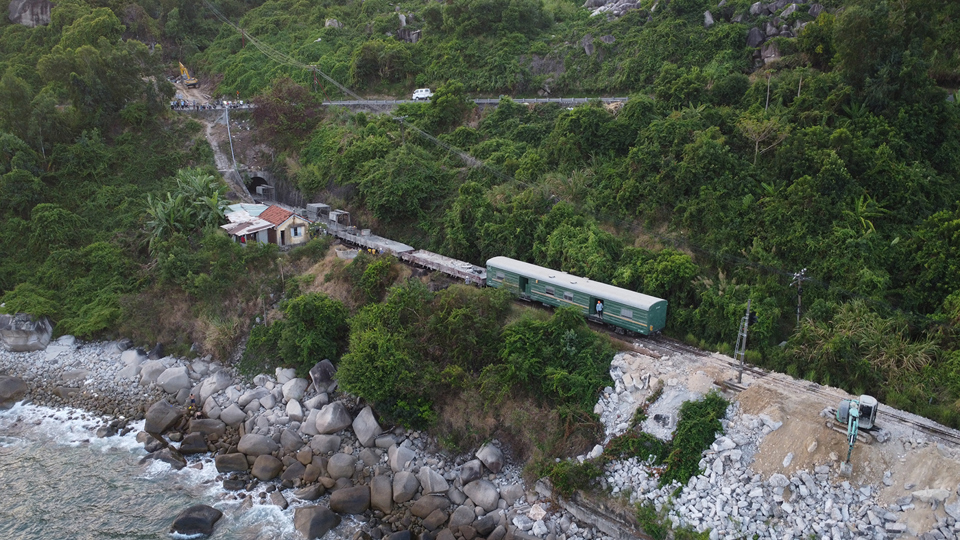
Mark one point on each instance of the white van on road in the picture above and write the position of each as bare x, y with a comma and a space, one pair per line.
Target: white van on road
422, 94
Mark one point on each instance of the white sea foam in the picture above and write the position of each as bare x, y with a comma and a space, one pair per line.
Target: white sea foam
179, 536
69, 427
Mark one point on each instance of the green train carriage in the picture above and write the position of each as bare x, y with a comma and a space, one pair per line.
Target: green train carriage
623, 308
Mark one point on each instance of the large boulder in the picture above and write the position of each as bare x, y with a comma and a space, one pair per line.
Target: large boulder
755, 37
294, 389
196, 520
132, 359
400, 457
366, 428
333, 418
470, 471
170, 456
325, 444
161, 417
313, 522
235, 462
511, 493
405, 486
322, 375
485, 525
253, 444
12, 390
266, 467
431, 481
427, 504
309, 425
463, 515
149, 371
250, 395
483, 493
193, 443
233, 415
435, 520
294, 472
206, 426
310, 493
491, 456
174, 379
285, 374
24, 333
294, 410
352, 500
213, 384
341, 466
381, 494
290, 441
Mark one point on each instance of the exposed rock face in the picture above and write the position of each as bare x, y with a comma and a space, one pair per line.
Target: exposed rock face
22, 332
30, 12
12, 390
755, 37
196, 520
588, 44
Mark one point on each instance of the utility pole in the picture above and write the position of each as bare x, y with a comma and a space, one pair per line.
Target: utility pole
741, 350
798, 280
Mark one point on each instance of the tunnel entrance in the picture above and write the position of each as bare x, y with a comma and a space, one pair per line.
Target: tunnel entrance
254, 182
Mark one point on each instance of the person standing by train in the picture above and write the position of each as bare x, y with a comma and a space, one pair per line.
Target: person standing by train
600, 309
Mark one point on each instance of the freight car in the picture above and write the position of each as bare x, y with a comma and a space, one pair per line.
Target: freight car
464, 271
624, 309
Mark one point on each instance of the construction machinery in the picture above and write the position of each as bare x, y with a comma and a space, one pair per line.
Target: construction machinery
856, 414
188, 81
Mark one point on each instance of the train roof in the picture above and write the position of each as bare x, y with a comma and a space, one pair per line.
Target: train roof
584, 285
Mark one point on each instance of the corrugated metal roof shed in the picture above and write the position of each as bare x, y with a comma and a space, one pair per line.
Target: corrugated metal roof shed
569, 281
253, 210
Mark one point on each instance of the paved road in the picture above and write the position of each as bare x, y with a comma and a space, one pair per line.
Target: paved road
395, 102
490, 101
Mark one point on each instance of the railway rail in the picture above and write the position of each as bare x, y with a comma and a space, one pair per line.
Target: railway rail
829, 396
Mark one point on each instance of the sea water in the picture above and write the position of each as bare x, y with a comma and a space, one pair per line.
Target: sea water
59, 481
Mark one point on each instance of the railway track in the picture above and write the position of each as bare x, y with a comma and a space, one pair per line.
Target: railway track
830, 397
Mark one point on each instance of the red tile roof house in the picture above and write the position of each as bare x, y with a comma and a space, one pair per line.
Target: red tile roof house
259, 223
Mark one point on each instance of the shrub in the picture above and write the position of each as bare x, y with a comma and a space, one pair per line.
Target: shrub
313, 329
697, 428
568, 475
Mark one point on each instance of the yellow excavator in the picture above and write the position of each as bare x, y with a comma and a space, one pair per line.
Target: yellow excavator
188, 81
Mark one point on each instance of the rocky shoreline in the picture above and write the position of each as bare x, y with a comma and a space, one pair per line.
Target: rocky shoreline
287, 441
292, 442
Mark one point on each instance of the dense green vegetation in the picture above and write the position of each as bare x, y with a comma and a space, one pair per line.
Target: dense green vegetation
718, 180
711, 186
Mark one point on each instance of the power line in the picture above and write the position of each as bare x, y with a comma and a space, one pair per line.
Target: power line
284, 59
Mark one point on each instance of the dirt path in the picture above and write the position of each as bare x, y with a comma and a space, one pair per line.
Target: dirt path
215, 131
